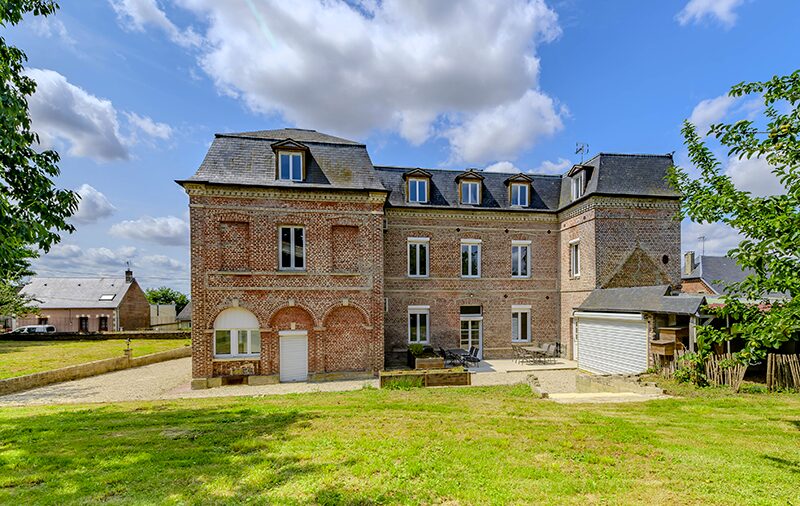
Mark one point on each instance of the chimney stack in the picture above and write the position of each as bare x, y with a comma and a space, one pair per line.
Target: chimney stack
128, 275
688, 262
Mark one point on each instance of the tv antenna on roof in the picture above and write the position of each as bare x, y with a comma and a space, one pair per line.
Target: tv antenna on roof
702, 240
581, 148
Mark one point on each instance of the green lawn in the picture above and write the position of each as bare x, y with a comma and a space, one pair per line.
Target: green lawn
26, 357
452, 445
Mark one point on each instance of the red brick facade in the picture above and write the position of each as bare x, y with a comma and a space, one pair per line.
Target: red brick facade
355, 298
338, 299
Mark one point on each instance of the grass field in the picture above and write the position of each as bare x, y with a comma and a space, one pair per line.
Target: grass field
25, 357
491, 445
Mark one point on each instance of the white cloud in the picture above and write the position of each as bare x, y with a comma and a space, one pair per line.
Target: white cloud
506, 167
710, 111
719, 238
721, 10
68, 117
150, 127
93, 206
63, 112
550, 167
754, 175
505, 130
51, 26
135, 15
418, 68
165, 230
163, 261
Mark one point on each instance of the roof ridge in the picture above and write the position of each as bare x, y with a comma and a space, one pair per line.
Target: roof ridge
444, 169
352, 144
638, 155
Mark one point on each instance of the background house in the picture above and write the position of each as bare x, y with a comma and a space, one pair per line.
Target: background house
709, 275
87, 304
184, 318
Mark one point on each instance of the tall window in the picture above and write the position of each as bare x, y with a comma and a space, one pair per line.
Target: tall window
575, 258
83, 324
102, 323
470, 258
470, 192
520, 259
578, 182
237, 342
521, 323
291, 166
519, 195
418, 258
418, 324
293, 248
418, 190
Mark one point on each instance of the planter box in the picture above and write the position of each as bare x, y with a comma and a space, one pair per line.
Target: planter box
429, 363
430, 377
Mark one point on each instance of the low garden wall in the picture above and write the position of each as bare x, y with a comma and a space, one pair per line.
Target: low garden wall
73, 372
100, 336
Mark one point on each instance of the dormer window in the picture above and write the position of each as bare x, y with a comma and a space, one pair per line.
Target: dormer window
578, 182
519, 194
290, 160
418, 190
290, 166
418, 186
471, 192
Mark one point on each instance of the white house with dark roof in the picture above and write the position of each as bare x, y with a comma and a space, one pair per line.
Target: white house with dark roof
87, 304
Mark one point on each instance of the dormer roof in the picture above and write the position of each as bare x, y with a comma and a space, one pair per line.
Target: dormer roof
470, 174
519, 178
289, 144
417, 173
577, 168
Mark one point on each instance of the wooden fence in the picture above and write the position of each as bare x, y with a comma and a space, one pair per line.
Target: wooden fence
718, 369
783, 372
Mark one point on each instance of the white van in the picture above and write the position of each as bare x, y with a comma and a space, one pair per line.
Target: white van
34, 329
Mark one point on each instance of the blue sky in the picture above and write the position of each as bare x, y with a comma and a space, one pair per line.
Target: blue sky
132, 91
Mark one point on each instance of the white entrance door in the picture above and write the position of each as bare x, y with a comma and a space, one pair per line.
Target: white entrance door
611, 343
472, 334
294, 355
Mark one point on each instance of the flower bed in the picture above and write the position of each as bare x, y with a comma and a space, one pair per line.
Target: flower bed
425, 378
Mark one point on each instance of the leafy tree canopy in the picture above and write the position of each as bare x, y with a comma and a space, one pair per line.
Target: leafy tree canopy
32, 210
770, 225
167, 295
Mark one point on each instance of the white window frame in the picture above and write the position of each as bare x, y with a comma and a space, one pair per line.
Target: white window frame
416, 181
235, 343
418, 241
291, 246
578, 185
527, 246
426, 310
470, 243
520, 186
477, 185
515, 309
291, 155
575, 258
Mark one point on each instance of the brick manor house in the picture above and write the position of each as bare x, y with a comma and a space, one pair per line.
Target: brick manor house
308, 261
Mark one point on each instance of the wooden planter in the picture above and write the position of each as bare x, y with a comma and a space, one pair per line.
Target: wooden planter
429, 363
430, 377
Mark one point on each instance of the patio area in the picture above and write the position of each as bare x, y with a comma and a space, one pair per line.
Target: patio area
507, 365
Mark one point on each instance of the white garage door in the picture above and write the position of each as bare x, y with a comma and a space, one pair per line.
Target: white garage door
294, 355
610, 343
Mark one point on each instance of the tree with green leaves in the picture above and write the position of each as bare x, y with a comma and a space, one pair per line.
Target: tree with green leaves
167, 295
32, 210
769, 225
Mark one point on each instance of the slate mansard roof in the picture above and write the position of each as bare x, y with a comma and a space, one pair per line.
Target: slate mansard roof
76, 293
248, 158
650, 299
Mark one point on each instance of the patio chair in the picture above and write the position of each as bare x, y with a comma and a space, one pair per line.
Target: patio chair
472, 358
450, 357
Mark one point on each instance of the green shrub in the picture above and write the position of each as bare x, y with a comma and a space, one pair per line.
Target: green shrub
416, 349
